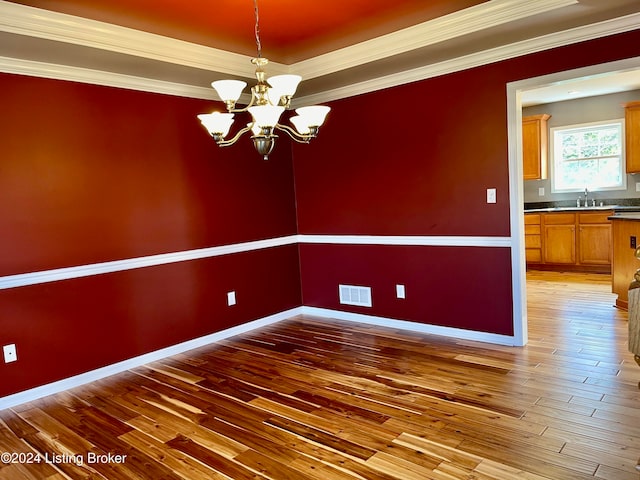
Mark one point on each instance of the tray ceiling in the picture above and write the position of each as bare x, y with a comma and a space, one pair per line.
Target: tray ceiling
290, 30
340, 47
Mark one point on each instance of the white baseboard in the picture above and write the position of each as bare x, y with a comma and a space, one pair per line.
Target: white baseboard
413, 326
93, 375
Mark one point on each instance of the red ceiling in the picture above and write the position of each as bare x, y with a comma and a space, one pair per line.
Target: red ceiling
290, 30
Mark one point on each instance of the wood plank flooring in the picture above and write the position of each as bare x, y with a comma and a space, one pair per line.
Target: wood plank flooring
313, 398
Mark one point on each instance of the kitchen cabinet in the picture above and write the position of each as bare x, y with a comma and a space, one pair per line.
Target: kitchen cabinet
632, 136
569, 240
533, 238
594, 242
535, 146
560, 238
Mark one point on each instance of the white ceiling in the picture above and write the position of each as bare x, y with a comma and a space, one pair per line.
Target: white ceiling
591, 86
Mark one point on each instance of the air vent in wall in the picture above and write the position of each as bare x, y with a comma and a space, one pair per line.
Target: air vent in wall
354, 295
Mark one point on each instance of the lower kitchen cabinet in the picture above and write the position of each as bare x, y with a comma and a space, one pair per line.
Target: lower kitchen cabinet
560, 244
533, 238
579, 241
595, 244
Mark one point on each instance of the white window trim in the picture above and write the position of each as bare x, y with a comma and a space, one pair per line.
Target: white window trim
552, 159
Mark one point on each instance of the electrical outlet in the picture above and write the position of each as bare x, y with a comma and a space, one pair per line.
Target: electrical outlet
400, 292
491, 195
541, 191
231, 298
637, 186
10, 354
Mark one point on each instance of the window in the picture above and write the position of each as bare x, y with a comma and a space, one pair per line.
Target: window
588, 156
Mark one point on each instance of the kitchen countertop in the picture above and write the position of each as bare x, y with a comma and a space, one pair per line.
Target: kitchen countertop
625, 216
615, 208
620, 212
577, 209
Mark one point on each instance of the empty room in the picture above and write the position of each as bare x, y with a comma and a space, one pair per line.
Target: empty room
348, 240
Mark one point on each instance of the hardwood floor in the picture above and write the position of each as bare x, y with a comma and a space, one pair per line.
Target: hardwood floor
322, 399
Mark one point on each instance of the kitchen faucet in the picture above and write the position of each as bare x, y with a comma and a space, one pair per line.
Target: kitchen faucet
586, 197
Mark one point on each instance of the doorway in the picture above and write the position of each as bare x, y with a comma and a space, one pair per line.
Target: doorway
515, 94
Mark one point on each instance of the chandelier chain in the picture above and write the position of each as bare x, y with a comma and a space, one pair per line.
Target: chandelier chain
257, 28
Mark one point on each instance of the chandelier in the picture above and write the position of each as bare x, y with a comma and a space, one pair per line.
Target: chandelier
270, 97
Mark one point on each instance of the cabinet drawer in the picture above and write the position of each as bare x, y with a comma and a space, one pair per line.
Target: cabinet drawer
533, 241
593, 217
532, 219
533, 255
532, 229
559, 218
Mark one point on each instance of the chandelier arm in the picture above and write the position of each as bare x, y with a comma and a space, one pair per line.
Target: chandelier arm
244, 109
293, 134
228, 143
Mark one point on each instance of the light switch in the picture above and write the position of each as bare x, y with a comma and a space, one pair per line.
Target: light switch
400, 293
541, 191
231, 298
491, 195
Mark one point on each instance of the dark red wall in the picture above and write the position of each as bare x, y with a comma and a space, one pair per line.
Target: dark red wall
91, 174
464, 299
65, 328
411, 160
417, 160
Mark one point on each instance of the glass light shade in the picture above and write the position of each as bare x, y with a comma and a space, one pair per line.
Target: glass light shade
285, 84
229, 90
301, 124
216, 122
314, 115
266, 115
274, 96
255, 129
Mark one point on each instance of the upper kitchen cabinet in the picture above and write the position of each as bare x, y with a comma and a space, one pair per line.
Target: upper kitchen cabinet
535, 146
632, 136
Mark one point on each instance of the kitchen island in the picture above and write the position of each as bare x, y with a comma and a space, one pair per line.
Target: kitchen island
625, 234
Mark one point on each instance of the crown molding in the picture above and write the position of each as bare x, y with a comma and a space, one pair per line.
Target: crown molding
39, 23
506, 52
45, 24
464, 22
48, 25
107, 79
